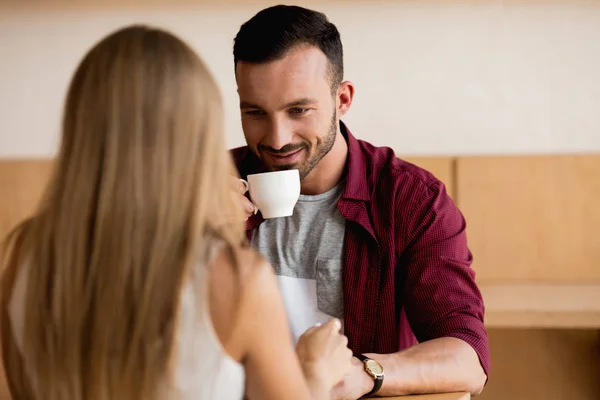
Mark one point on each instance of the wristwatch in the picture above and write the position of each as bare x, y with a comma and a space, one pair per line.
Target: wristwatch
374, 369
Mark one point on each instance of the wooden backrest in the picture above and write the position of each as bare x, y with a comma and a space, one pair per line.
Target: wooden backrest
442, 167
532, 218
21, 185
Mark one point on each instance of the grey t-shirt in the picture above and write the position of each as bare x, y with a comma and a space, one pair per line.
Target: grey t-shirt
305, 250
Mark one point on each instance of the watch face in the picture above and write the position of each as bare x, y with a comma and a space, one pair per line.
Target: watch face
374, 367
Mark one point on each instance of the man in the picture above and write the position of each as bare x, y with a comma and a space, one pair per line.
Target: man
374, 240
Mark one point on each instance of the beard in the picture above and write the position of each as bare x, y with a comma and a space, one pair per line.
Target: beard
315, 154
321, 149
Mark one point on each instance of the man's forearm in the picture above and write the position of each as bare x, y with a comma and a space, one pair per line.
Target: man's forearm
439, 365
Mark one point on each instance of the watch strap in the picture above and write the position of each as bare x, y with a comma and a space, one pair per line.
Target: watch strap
378, 380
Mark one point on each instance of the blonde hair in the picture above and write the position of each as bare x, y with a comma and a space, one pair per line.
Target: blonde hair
139, 186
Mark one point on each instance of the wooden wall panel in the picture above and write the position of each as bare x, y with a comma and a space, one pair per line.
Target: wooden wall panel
21, 185
532, 218
442, 167
544, 364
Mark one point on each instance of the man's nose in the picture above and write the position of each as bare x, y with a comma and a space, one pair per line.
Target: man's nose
279, 134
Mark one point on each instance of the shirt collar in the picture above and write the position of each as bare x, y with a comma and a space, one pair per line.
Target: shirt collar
356, 169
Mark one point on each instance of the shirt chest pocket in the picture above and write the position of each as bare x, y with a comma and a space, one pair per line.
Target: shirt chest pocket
330, 296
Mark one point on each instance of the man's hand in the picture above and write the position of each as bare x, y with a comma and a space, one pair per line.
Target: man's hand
356, 383
240, 190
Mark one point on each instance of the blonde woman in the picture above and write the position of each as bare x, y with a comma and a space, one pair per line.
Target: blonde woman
130, 281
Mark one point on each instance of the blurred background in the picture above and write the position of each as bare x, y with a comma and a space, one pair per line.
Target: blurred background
500, 99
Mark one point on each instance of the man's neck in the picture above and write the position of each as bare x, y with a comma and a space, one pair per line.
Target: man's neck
329, 171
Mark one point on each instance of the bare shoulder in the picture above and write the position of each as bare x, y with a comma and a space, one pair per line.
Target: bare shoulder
237, 277
248, 263
258, 334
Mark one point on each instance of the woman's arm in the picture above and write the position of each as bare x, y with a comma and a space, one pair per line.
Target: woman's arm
261, 339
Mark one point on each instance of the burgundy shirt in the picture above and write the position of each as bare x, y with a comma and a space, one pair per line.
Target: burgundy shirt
407, 273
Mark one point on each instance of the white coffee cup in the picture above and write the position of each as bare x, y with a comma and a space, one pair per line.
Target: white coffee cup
274, 193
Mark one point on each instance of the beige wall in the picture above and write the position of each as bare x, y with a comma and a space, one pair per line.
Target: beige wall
432, 77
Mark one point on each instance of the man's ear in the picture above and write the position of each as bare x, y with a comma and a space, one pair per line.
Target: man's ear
345, 94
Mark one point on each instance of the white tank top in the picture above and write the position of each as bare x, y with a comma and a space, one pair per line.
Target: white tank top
204, 371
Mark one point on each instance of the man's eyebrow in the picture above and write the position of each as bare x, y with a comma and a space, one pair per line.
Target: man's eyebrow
245, 104
299, 102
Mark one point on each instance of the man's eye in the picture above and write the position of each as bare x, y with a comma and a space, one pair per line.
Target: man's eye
298, 110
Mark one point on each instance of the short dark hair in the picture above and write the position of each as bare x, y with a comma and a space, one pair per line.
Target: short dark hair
274, 31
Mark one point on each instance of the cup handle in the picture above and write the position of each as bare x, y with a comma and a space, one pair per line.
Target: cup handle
247, 186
